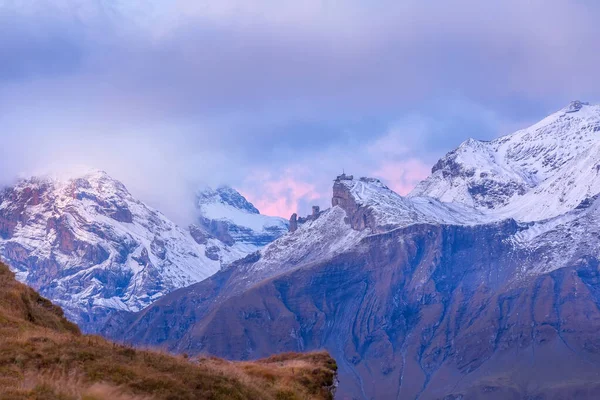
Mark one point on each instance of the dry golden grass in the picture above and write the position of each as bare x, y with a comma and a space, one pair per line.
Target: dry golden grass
43, 356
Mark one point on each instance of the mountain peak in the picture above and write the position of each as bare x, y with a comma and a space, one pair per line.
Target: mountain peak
349, 180
60, 235
97, 175
99, 181
532, 174
225, 195
91, 178
227, 215
575, 106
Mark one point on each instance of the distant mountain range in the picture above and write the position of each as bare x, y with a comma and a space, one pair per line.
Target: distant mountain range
484, 282
90, 246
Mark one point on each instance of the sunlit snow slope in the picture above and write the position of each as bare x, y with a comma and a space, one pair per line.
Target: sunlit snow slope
533, 174
90, 246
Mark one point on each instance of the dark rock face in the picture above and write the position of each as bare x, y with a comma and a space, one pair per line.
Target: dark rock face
212, 252
218, 229
485, 191
420, 312
450, 167
16, 252
143, 259
575, 106
490, 193
294, 222
158, 248
113, 208
11, 216
199, 235
359, 217
65, 238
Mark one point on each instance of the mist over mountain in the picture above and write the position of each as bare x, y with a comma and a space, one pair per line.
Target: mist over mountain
274, 100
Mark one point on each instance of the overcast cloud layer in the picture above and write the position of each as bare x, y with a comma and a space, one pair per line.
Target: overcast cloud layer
274, 97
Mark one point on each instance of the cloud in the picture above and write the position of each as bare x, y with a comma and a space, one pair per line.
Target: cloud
401, 153
403, 176
169, 96
280, 194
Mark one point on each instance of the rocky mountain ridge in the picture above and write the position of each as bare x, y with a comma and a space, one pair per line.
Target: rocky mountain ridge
417, 297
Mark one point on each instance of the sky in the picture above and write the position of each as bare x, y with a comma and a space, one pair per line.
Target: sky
276, 98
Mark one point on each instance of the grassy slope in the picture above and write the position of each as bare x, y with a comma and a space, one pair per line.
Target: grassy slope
43, 356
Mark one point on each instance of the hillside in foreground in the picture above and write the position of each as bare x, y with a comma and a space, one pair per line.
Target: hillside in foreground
44, 356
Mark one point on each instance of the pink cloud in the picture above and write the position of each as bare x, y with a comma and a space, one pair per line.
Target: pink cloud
279, 195
402, 176
287, 193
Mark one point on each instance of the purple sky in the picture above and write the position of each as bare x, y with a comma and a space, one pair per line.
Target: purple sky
274, 97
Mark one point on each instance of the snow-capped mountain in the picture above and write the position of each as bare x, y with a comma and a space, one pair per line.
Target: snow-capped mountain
227, 216
372, 204
90, 246
533, 174
483, 283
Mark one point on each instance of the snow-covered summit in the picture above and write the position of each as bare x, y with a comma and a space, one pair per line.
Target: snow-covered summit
90, 246
230, 217
227, 196
575, 106
533, 174
371, 204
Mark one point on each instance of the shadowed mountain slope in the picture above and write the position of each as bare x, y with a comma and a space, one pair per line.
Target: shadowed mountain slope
43, 356
421, 312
